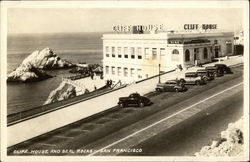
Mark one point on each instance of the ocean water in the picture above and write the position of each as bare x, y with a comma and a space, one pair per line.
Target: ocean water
79, 47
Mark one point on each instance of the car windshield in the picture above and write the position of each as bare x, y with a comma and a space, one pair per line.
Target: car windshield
171, 83
191, 75
134, 95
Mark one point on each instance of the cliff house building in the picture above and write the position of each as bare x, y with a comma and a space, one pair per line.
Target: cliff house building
136, 56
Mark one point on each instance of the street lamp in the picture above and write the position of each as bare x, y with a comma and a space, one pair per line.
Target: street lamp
159, 73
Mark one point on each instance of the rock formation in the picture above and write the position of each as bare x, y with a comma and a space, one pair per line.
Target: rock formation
230, 143
30, 69
46, 59
27, 73
64, 91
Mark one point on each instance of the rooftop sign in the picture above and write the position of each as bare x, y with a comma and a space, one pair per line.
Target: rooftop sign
138, 28
199, 26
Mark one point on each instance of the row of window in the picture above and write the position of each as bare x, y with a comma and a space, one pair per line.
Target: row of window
119, 71
134, 51
175, 53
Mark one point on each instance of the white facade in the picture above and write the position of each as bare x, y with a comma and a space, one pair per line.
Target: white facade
132, 57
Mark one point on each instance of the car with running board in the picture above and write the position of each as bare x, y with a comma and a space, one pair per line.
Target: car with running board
192, 78
224, 68
134, 99
171, 86
205, 74
215, 71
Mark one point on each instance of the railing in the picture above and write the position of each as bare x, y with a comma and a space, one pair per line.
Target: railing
39, 110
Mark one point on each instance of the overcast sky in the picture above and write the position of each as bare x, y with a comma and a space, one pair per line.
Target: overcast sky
51, 20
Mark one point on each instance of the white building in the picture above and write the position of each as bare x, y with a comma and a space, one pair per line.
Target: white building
132, 57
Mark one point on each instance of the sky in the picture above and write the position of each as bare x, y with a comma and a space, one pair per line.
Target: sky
57, 20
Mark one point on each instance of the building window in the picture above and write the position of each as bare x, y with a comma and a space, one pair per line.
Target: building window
113, 70
119, 71
146, 53
154, 53
162, 51
215, 41
107, 69
132, 70
125, 72
187, 55
229, 47
107, 51
175, 55
139, 53
175, 52
205, 53
113, 51
125, 52
119, 51
211, 49
132, 52
139, 73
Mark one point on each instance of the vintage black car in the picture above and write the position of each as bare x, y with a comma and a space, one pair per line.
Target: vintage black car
171, 86
205, 74
215, 71
134, 99
224, 68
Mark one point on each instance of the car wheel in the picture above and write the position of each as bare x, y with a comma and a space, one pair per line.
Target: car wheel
121, 105
197, 83
141, 104
205, 79
182, 82
176, 90
158, 89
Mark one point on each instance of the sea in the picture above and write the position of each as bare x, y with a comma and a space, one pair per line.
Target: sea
74, 47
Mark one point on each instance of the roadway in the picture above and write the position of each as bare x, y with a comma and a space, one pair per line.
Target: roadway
92, 134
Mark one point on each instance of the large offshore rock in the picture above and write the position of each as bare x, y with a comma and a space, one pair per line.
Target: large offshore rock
31, 67
64, 91
27, 73
46, 59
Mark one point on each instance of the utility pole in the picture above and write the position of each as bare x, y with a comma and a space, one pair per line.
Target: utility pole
159, 73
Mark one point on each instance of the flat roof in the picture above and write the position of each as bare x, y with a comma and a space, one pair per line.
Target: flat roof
168, 35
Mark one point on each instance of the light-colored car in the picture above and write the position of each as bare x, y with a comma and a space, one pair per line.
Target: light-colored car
205, 74
171, 86
193, 79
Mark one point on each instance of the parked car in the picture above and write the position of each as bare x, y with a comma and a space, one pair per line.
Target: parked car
224, 68
192, 78
134, 99
215, 71
171, 86
205, 74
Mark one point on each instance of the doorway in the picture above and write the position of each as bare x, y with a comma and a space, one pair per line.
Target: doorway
216, 53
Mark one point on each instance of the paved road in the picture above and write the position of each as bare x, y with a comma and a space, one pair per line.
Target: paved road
96, 132
193, 135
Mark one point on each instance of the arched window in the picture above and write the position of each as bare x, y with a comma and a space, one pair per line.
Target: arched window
205, 53
175, 52
187, 55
